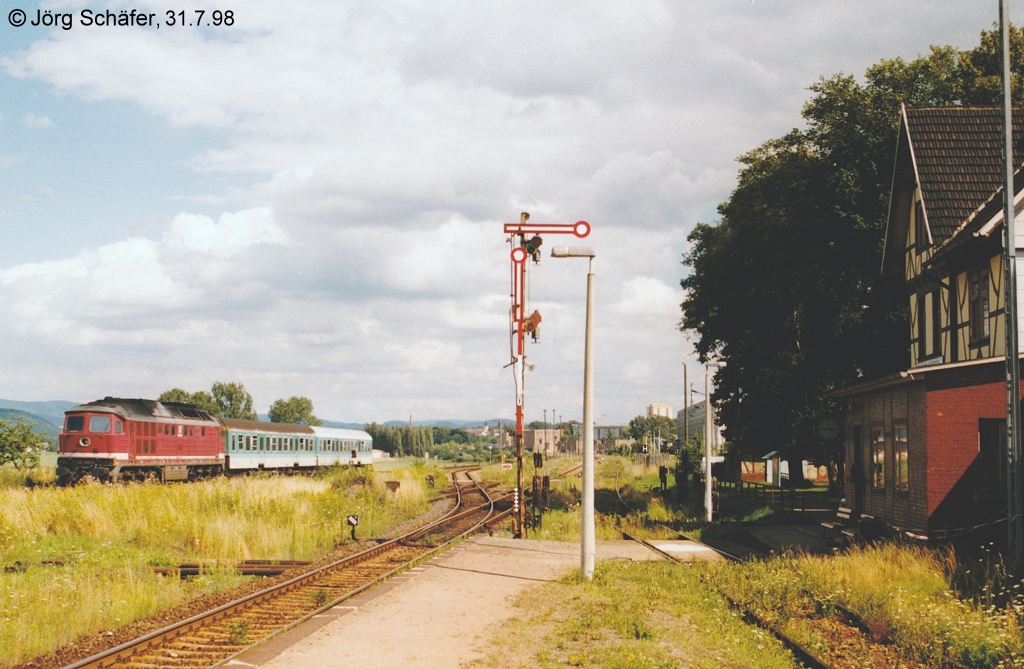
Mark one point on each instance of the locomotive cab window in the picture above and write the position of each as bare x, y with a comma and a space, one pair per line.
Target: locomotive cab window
99, 423
75, 423
118, 427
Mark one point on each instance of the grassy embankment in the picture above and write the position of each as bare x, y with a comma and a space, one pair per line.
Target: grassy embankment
935, 609
922, 601
653, 615
79, 560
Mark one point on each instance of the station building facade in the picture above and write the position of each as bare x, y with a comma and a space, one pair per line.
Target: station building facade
925, 447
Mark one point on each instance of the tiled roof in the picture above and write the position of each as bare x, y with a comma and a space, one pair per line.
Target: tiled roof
958, 152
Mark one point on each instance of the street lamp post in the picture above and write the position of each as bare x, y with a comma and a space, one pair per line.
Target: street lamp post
587, 529
708, 428
709, 431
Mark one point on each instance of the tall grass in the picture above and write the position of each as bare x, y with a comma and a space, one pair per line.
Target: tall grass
632, 615
45, 606
903, 594
92, 547
10, 477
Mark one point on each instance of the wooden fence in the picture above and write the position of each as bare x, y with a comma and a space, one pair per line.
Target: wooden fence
780, 499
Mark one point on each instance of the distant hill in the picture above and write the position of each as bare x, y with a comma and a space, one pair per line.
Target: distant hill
347, 426
51, 411
466, 424
43, 426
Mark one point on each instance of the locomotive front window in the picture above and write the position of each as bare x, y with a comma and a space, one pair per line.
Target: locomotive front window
99, 423
75, 423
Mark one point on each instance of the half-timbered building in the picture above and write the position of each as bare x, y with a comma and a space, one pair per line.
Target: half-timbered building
924, 447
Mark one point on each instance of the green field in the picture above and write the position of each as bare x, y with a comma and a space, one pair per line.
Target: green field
93, 547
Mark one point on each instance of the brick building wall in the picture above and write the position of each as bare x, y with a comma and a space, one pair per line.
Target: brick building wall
957, 401
943, 410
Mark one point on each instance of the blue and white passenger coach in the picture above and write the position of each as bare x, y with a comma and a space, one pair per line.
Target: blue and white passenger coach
253, 445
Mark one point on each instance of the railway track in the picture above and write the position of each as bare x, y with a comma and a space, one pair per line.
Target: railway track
803, 655
214, 637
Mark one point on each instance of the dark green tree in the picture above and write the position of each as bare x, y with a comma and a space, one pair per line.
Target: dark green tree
226, 400
785, 287
644, 429
233, 400
296, 410
401, 440
201, 399
19, 443
444, 434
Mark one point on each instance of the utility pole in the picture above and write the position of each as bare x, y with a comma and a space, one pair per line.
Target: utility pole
587, 528
708, 498
1015, 467
686, 413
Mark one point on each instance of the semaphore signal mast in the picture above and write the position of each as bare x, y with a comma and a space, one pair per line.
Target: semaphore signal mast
525, 239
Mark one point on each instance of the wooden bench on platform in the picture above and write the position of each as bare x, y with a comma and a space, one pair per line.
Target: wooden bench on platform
868, 528
839, 528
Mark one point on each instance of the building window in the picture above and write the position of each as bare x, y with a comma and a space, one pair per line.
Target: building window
929, 325
900, 455
978, 291
878, 457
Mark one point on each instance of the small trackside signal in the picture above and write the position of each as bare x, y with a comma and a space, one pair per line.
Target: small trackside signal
531, 325
532, 246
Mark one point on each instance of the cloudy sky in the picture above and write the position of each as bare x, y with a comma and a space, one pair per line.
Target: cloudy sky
310, 200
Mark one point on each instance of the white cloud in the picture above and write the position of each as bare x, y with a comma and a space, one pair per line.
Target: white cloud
349, 166
644, 295
113, 289
37, 122
228, 236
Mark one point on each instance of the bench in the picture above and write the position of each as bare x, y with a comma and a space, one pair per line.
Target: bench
841, 525
870, 528
866, 528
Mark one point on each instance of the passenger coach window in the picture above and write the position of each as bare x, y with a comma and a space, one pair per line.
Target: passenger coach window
75, 423
99, 423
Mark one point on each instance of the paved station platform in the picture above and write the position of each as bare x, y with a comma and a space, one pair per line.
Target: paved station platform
438, 615
685, 550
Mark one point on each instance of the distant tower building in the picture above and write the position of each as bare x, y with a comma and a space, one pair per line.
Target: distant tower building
542, 441
659, 410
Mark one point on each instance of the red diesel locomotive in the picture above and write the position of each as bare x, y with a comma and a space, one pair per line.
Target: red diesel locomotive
117, 439
138, 440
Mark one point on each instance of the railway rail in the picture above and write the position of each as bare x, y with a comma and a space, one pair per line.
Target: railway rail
803, 655
847, 624
214, 637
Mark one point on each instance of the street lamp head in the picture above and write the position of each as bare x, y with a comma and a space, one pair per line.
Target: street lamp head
572, 252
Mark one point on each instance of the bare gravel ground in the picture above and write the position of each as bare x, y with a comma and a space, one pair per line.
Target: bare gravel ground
438, 615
